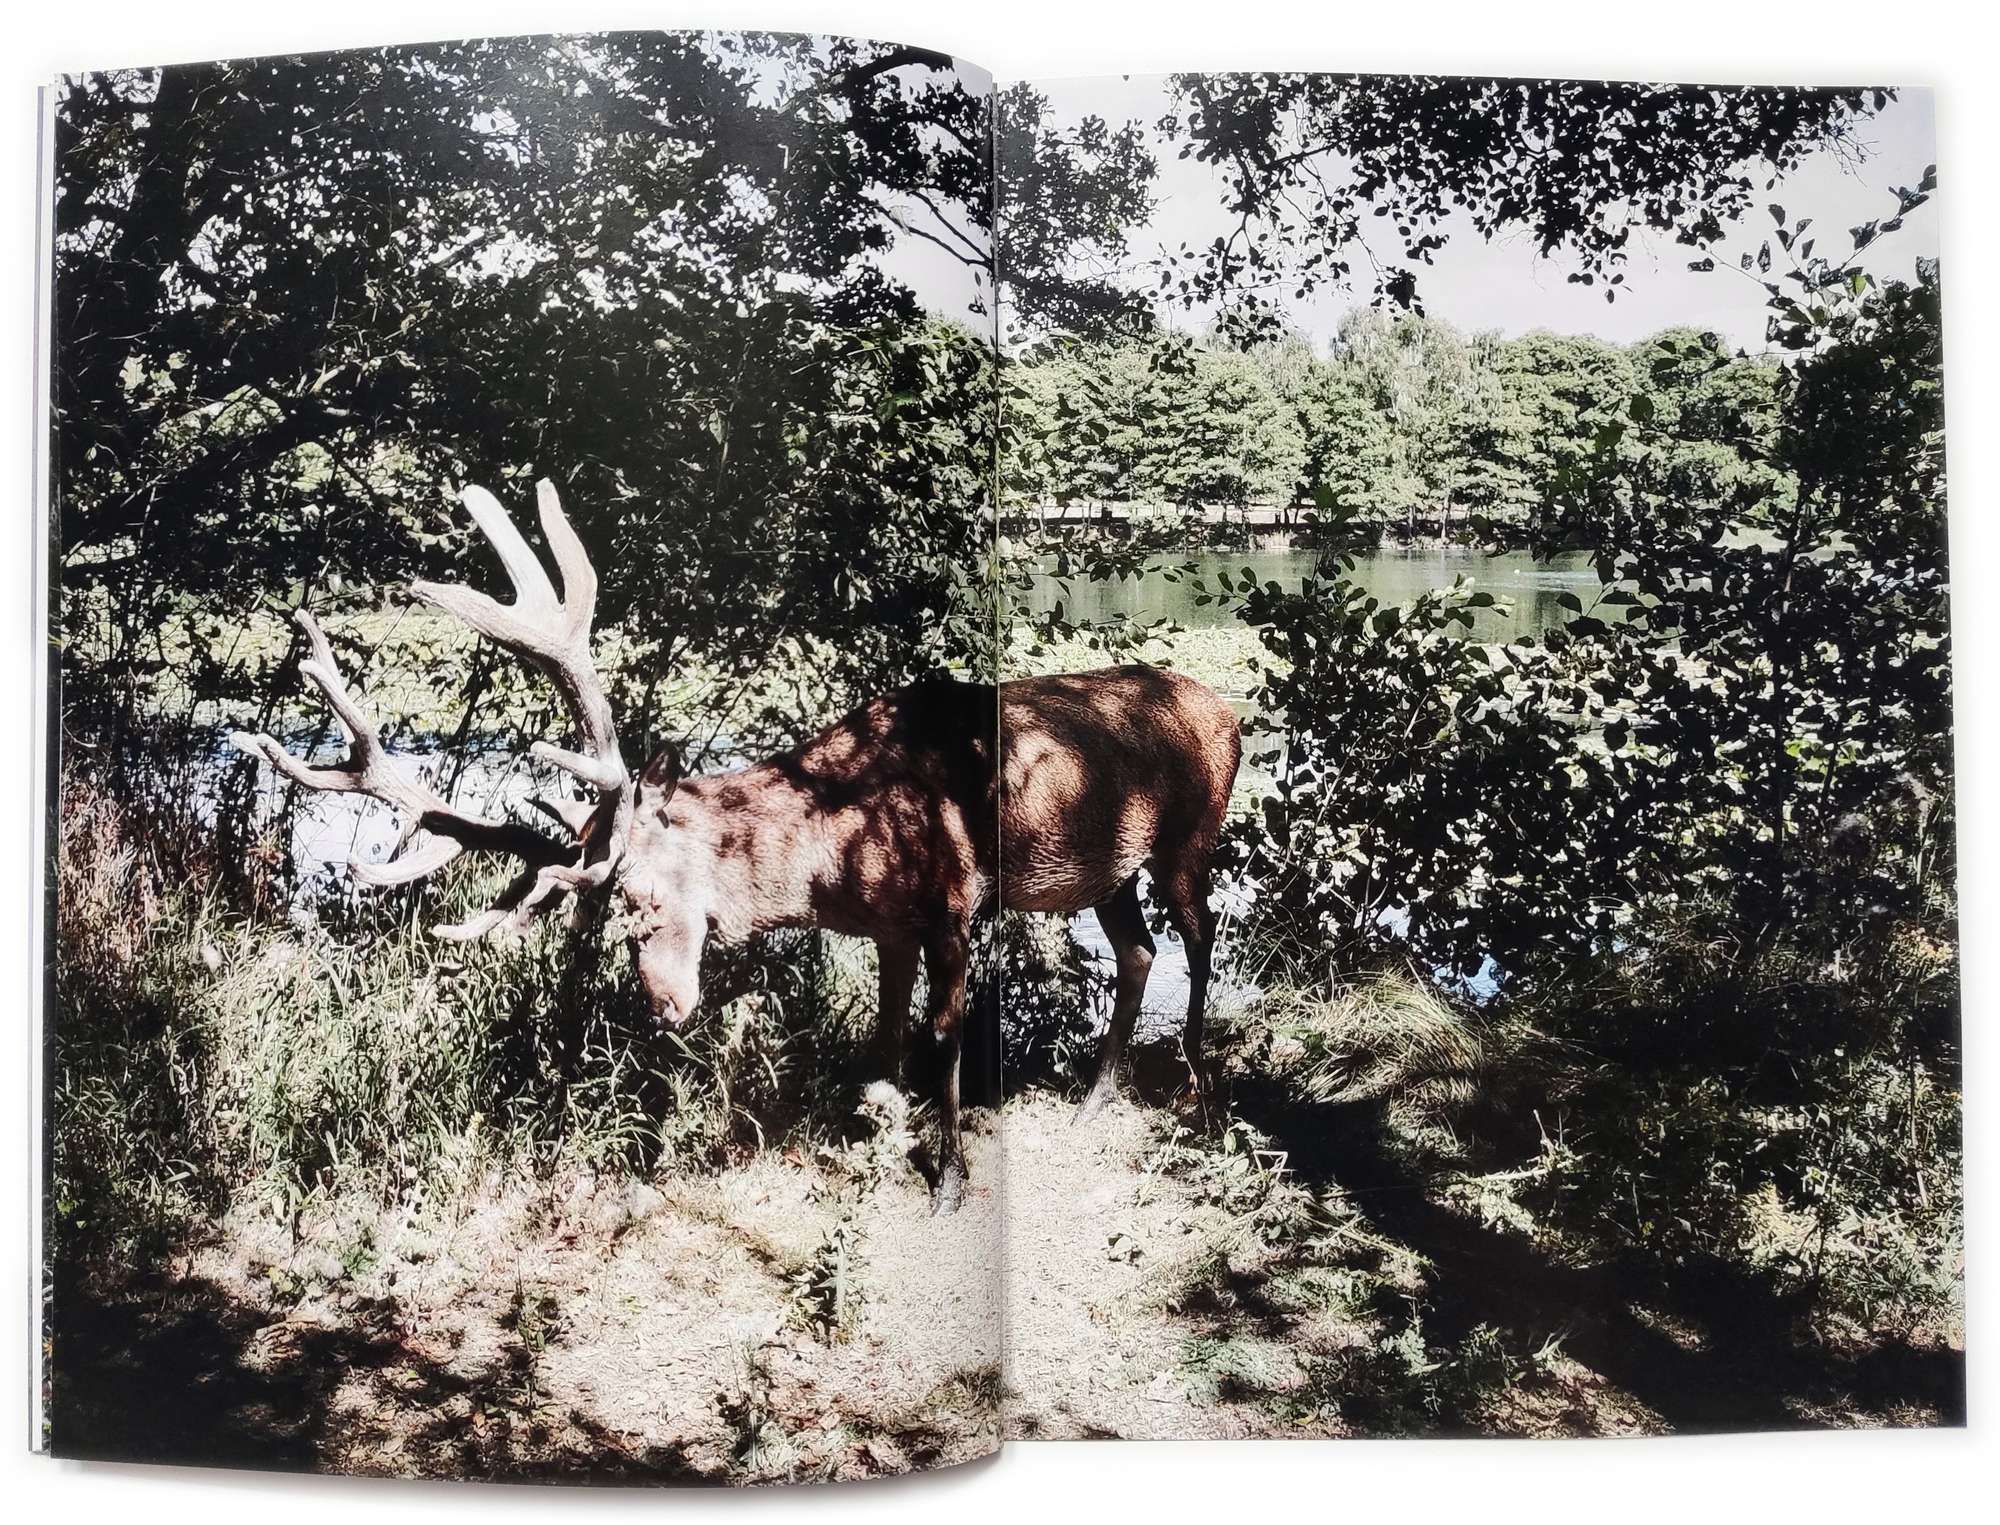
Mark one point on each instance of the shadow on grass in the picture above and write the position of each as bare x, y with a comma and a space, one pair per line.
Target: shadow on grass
1706, 1346
183, 1372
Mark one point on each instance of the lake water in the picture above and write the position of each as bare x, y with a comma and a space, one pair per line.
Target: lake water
1393, 574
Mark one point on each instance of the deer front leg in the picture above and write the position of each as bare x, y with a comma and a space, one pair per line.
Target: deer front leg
945, 959
896, 977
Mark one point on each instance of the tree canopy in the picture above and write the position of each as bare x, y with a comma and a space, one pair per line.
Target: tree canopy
1404, 418
1314, 162
298, 299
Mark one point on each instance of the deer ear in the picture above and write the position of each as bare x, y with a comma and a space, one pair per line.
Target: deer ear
663, 773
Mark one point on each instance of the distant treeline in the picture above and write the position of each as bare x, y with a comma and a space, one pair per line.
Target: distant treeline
1403, 422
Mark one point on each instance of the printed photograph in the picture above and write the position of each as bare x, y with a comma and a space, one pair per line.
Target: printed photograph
770, 763
1559, 1036
524, 534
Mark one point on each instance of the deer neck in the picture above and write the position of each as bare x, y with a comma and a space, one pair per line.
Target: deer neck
748, 847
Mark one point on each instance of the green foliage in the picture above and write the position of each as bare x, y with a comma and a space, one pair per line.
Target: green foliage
759, 1442
1053, 1006
1697, 840
1403, 422
827, 1290
203, 1056
1072, 193
1348, 444
1430, 796
1326, 173
302, 300
1402, 1383
129, 1161
1384, 1038
1240, 1171
1162, 421
1833, 1174
1220, 434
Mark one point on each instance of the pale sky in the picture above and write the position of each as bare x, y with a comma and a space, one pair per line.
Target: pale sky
1506, 286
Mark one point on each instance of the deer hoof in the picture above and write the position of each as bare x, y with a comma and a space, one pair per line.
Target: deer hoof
949, 1191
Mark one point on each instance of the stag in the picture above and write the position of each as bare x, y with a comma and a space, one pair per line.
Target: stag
893, 824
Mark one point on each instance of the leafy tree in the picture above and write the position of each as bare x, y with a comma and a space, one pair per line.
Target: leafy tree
1430, 801
1072, 194
1220, 434
1349, 447
298, 300
1563, 393
1405, 417
1080, 423
1780, 666
1434, 389
1702, 850
1708, 423
1312, 161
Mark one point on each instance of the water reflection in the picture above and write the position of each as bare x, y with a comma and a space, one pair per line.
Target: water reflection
1393, 574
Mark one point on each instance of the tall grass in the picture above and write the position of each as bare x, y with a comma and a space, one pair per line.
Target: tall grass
1386, 1037
1675, 1107
207, 1053
1791, 1115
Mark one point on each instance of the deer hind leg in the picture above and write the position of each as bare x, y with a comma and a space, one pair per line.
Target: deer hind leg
946, 957
896, 978
1124, 924
1185, 889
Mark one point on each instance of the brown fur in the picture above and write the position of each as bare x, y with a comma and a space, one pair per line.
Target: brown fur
893, 825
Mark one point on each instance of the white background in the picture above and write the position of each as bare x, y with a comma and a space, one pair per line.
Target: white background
1755, 1477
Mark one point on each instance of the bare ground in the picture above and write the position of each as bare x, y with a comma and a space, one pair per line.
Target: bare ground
728, 1328
1146, 1305
625, 1330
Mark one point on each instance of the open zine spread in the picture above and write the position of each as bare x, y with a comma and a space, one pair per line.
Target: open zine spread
766, 762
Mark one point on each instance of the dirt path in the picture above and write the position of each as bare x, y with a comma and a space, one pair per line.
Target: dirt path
654, 1329
1090, 1352
795, 1317
624, 1328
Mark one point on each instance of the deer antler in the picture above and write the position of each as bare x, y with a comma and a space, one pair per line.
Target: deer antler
554, 635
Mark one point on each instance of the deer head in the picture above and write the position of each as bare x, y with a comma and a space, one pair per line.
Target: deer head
552, 634
670, 895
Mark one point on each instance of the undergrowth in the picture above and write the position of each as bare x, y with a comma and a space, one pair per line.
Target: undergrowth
1685, 1119
206, 1054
